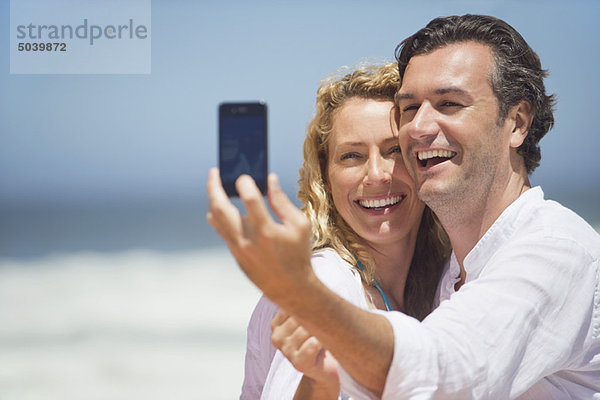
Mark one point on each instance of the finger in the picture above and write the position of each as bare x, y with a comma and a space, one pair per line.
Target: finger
279, 318
252, 198
309, 353
305, 356
289, 336
214, 187
311, 347
292, 344
222, 215
282, 332
281, 205
300, 336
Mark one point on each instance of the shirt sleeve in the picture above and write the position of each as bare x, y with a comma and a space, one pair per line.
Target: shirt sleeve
283, 379
529, 314
259, 350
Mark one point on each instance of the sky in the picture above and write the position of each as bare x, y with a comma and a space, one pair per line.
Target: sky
127, 138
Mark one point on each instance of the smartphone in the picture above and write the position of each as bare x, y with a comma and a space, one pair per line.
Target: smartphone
243, 144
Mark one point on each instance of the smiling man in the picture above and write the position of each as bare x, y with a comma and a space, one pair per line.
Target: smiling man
519, 313
461, 150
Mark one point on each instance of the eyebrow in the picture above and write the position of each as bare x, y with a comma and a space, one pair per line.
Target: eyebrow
355, 144
452, 89
441, 91
403, 96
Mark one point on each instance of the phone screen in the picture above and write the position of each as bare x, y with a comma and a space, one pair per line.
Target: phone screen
243, 144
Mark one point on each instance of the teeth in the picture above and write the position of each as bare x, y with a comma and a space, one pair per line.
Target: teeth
426, 155
390, 201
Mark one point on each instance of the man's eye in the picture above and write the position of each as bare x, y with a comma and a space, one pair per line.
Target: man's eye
451, 104
449, 107
411, 107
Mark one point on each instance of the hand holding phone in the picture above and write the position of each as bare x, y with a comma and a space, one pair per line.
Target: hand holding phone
243, 144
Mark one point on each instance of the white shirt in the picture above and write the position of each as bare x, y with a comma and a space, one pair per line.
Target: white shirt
268, 374
526, 323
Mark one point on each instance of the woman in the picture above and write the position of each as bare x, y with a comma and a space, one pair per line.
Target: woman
375, 243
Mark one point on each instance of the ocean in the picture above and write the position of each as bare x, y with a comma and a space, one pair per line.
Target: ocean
135, 324
120, 302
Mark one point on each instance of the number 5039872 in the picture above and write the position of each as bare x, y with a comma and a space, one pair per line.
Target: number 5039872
42, 46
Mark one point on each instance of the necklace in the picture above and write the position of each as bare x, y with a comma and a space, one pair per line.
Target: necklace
388, 305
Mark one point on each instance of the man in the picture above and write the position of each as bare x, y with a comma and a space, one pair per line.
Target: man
520, 302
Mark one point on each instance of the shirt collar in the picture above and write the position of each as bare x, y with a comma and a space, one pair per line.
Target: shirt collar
502, 229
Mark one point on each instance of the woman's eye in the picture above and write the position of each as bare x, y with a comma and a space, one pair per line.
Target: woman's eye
412, 107
347, 156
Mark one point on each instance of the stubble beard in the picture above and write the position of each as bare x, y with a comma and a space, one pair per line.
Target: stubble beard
461, 197
444, 199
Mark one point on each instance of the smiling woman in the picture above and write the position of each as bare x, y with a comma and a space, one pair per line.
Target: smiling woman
369, 185
369, 91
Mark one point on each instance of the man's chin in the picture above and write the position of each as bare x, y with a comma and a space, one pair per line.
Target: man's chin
431, 192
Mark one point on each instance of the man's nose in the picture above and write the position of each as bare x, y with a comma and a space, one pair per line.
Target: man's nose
424, 122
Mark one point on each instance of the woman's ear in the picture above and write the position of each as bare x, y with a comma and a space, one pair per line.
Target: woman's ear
522, 117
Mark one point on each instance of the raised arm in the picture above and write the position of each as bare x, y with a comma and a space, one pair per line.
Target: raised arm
276, 257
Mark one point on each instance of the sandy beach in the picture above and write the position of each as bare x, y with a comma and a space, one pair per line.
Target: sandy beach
131, 325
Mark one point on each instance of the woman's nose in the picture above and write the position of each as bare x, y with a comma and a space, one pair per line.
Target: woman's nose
379, 170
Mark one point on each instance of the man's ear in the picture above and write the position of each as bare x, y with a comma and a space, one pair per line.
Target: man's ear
521, 116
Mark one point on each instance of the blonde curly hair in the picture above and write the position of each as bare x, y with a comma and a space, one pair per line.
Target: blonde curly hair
328, 228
